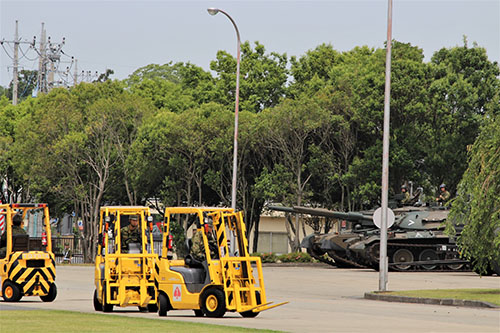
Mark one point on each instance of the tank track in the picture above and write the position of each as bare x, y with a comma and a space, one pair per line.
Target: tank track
321, 258
345, 261
331, 258
334, 260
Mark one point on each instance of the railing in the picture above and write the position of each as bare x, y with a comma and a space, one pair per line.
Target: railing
76, 247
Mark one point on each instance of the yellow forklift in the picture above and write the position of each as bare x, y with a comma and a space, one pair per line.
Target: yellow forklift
223, 282
125, 259
27, 266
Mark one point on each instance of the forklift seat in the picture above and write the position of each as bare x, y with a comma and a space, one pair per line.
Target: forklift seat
189, 259
20, 243
134, 248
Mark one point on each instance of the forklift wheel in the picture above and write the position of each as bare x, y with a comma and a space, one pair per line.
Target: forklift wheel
198, 313
11, 292
162, 305
213, 303
251, 314
105, 306
97, 304
51, 295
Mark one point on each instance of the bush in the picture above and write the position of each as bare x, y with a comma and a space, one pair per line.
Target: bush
295, 257
269, 257
266, 257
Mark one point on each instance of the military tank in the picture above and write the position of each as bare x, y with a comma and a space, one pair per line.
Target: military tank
416, 241
332, 248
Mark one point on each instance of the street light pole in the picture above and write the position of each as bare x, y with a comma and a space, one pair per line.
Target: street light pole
385, 156
214, 11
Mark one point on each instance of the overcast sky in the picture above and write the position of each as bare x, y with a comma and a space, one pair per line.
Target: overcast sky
125, 35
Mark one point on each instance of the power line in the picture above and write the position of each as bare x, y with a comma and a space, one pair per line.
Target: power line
49, 56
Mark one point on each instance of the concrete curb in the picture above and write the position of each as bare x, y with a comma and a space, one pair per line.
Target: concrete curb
435, 301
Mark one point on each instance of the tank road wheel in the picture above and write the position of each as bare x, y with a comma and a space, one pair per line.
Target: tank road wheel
97, 304
163, 305
251, 314
51, 296
402, 256
454, 267
11, 292
427, 255
213, 303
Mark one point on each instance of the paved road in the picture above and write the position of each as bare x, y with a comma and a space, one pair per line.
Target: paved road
322, 299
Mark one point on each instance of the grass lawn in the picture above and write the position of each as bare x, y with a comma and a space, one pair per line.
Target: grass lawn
486, 295
66, 321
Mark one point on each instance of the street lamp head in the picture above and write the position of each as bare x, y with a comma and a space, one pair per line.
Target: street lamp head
212, 11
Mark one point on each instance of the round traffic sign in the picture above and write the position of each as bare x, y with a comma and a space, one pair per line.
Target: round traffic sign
377, 217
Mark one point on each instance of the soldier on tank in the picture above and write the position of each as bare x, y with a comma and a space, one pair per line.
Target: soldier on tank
130, 234
406, 198
16, 230
444, 195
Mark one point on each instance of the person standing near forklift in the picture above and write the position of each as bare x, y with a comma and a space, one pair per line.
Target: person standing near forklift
16, 230
130, 234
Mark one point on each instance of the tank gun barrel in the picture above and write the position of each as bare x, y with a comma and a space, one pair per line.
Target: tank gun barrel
349, 216
282, 209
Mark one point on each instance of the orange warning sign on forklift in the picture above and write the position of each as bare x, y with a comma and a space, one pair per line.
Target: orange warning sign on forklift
177, 293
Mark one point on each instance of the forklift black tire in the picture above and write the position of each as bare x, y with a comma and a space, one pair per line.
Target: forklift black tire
97, 304
152, 308
51, 296
213, 303
105, 306
251, 314
162, 305
198, 313
143, 308
11, 292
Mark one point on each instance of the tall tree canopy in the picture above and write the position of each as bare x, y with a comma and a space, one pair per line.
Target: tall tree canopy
478, 202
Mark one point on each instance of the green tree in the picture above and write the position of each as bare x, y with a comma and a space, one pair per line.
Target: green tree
176, 86
67, 146
175, 150
311, 72
263, 78
463, 86
477, 205
8, 176
350, 85
290, 130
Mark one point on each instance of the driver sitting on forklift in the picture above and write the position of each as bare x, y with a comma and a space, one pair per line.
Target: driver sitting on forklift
198, 249
130, 234
16, 230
